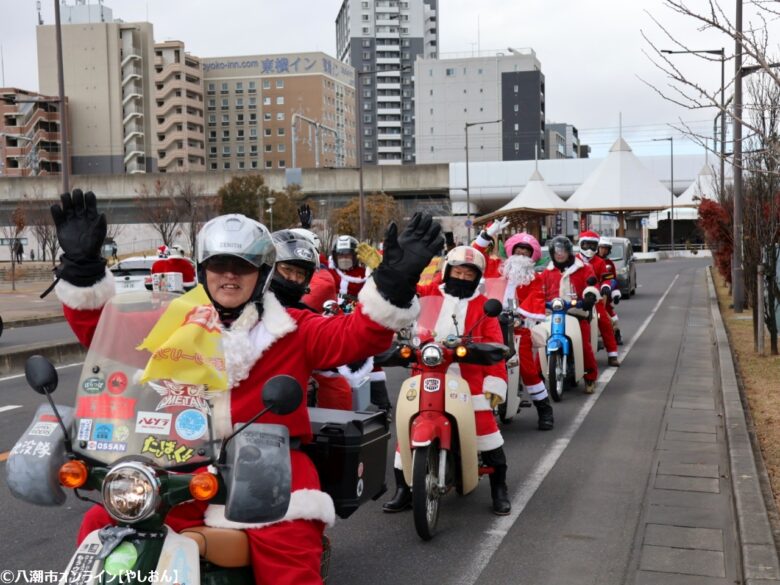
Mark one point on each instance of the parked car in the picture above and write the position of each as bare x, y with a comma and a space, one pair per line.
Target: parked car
133, 274
623, 256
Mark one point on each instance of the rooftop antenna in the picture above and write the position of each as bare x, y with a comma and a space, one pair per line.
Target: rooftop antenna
40, 18
536, 156
620, 123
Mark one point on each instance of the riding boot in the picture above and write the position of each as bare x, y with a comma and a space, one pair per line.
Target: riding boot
402, 500
618, 337
379, 396
545, 411
498, 490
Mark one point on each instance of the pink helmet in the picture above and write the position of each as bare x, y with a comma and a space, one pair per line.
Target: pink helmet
526, 239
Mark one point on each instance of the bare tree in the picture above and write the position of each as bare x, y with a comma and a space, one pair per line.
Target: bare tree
12, 231
158, 206
41, 224
195, 208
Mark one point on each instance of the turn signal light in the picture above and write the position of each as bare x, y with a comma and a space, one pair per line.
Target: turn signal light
406, 352
204, 486
461, 351
73, 474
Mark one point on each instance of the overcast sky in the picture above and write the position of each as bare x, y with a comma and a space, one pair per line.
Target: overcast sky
591, 50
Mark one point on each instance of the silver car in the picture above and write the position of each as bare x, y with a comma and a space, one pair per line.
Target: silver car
133, 274
623, 256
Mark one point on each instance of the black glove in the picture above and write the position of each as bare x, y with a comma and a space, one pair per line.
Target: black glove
304, 214
81, 232
606, 290
615, 300
405, 258
589, 301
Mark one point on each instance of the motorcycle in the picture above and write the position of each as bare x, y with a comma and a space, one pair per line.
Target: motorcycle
435, 425
562, 358
146, 447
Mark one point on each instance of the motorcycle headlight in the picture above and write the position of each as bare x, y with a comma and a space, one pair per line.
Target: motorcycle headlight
432, 355
131, 492
557, 305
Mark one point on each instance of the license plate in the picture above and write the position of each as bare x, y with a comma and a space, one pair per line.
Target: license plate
432, 385
127, 285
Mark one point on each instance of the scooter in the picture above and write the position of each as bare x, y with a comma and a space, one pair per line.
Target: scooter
144, 448
562, 358
435, 425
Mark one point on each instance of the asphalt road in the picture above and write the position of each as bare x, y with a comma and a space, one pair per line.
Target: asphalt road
580, 510
35, 334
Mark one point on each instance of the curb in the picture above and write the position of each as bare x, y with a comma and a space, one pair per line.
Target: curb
58, 352
760, 563
32, 321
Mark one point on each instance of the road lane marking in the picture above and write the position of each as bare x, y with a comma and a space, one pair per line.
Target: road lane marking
9, 407
500, 527
16, 376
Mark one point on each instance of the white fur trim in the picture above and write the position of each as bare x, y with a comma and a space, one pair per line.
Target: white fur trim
591, 289
616, 294
612, 354
534, 316
86, 297
489, 442
480, 402
537, 391
382, 311
495, 385
356, 377
304, 505
378, 376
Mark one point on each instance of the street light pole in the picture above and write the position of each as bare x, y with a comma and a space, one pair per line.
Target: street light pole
737, 284
271, 201
468, 185
63, 112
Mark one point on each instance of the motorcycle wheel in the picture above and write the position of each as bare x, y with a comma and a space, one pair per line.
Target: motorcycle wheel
555, 376
425, 490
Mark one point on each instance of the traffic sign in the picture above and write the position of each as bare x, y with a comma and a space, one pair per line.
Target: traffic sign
469, 223
644, 222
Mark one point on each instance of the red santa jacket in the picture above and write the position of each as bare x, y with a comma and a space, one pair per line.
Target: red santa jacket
530, 299
598, 265
357, 276
492, 264
468, 312
321, 288
571, 284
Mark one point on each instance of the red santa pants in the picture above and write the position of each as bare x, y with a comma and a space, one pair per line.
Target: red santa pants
589, 359
606, 330
529, 366
286, 553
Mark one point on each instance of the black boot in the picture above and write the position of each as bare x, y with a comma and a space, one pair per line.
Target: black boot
618, 337
402, 500
498, 490
545, 411
379, 397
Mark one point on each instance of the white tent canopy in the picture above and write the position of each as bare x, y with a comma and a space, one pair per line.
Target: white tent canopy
536, 197
704, 187
620, 183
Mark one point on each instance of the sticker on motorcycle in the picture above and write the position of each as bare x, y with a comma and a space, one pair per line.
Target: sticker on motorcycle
81, 567
117, 382
153, 423
359, 488
42, 429
186, 395
106, 446
160, 448
432, 385
121, 433
85, 429
103, 432
93, 385
121, 560
105, 406
38, 449
191, 424
411, 394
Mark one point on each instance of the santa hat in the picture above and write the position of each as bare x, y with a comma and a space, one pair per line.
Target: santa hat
532, 306
589, 236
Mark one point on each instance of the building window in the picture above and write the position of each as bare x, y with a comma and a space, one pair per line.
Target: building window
226, 166
240, 150
517, 146
253, 149
267, 117
280, 116
269, 164
269, 148
365, 17
266, 132
366, 81
367, 93
225, 151
212, 119
517, 127
212, 104
226, 135
517, 107
252, 103
239, 118
224, 87
253, 164
212, 87
253, 134
225, 118
252, 86
366, 43
212, 151
367, 144
239, 87
405, 43
213, 166
364, 5
368, 131
449, 72
240, 134
431, 111
280, 131
366, 55
225, 103
266, 84
212, 134
366, 30
267, 100
281, 147
240, 165
280, 84
280, 100
239, 103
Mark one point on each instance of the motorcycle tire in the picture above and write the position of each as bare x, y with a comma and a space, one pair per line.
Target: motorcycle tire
425, 490
555, 381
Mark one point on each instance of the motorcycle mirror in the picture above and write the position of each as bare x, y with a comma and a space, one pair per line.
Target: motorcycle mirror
282, 394
492, 308
40, 374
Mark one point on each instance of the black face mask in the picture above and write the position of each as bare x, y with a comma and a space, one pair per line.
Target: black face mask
564, 265
288, 292
462, 289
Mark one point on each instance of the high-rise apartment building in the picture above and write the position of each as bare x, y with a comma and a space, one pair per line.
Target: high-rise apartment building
503, 90
179, 109
30, 134
109, 81
571, 140
279, 111
381, 39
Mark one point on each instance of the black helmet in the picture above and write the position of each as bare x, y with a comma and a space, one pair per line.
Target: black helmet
295, 249
560, 243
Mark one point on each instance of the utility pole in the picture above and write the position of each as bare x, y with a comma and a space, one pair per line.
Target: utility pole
63, 110
737, 272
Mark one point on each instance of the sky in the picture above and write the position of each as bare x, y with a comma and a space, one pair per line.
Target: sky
592, 51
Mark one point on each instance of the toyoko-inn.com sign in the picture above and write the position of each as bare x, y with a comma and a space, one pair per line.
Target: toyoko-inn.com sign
288, 64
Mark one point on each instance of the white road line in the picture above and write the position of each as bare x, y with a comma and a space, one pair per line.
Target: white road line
15, 376
10, 407
494, 536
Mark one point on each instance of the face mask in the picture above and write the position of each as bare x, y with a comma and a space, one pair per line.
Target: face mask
462, 289
288, 292
344, 264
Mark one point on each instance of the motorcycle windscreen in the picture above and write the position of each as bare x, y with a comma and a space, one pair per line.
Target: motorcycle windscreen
495, 288
258, 475
425, 327
34, 462
164, 420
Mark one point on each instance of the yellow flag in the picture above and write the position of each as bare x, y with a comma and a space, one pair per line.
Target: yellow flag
186, 343
430, 271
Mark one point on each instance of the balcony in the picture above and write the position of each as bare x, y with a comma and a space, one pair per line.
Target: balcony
389, 61
390, 149
133, 165
389, 112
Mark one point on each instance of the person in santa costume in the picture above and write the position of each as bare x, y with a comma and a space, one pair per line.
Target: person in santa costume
525, 285
485, 243
568, 277
172, 259
261, 339
462, 271
589, 244
605, 249
350, 276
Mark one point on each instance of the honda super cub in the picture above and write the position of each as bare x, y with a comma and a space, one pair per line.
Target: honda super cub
139, 449
435, 424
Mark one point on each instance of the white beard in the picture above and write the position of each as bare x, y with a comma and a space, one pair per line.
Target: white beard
518, 270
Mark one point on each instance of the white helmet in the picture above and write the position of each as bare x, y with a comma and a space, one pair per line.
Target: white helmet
309, 235
463, 256
605, 241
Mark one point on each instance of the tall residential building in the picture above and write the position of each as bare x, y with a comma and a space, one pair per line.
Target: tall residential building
504, 90
30, 133
279, 111
571, 137
179, 109
382, 39
109, 82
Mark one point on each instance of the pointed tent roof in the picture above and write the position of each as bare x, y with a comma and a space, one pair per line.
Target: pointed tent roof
704, 187
536, 198
620, 183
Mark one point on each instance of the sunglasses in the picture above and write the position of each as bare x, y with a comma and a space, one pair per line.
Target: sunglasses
223, 264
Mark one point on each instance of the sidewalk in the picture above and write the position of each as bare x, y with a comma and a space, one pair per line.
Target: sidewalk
704, 519
25, 305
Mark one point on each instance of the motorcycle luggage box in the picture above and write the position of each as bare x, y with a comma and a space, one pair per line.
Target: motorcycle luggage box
349, 449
